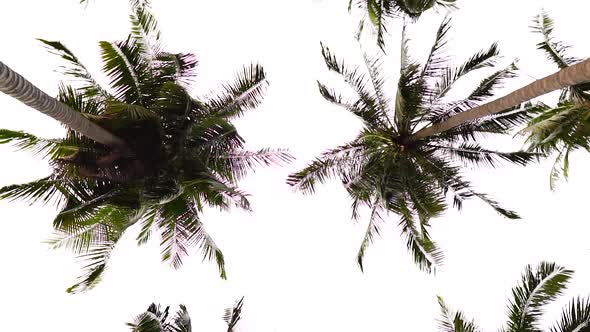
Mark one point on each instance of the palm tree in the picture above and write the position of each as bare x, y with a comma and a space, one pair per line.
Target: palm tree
537, 288
154, 319
566, 127
183, 153
379, 11
384, 169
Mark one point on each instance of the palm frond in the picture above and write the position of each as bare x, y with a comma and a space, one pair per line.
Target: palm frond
166, 66
378, 11
377, 80
124, 64
46, 148
97, 259
555, 50
82, 238
101, 240
496, 206
561, 129
147, 225
503, 122
213, 138
559, 125
181, 321
217, 193
373, 230
146, 322
233, 315
575, 317
85, 206
499, 123
425, 252
144, 28
489, 84
90, 87
177, 223
454, 322
450, 179
409, 98
415, 8
425, 200
481, 59
436, 61
473, 153
560, 167
131, 112
537, 288
332, 163
449, 4
242, 162
364, 110
180, 228
405, 58
78, 101
44, 190
179, 67
177, 111
243, 94
154, 319
368, 107
135, 4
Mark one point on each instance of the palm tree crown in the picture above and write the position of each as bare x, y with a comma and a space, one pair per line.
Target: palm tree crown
387, 170
183, 153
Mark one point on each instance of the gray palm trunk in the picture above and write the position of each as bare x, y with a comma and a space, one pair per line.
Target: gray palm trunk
572, 75
16, 86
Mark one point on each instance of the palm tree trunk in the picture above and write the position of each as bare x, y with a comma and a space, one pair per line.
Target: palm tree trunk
572, 75
24, 91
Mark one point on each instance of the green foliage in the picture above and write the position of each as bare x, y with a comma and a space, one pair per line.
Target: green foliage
52, 148
233, 315
386, 170
454, 322
154, 319
377, 12
243, 94
554, 50
565, 127
538, 288
575, 317
43, 190
89, 88
184, 153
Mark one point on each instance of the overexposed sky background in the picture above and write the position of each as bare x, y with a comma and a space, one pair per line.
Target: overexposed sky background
293, 258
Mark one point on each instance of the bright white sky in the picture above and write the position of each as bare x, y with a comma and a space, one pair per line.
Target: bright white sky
294, 257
